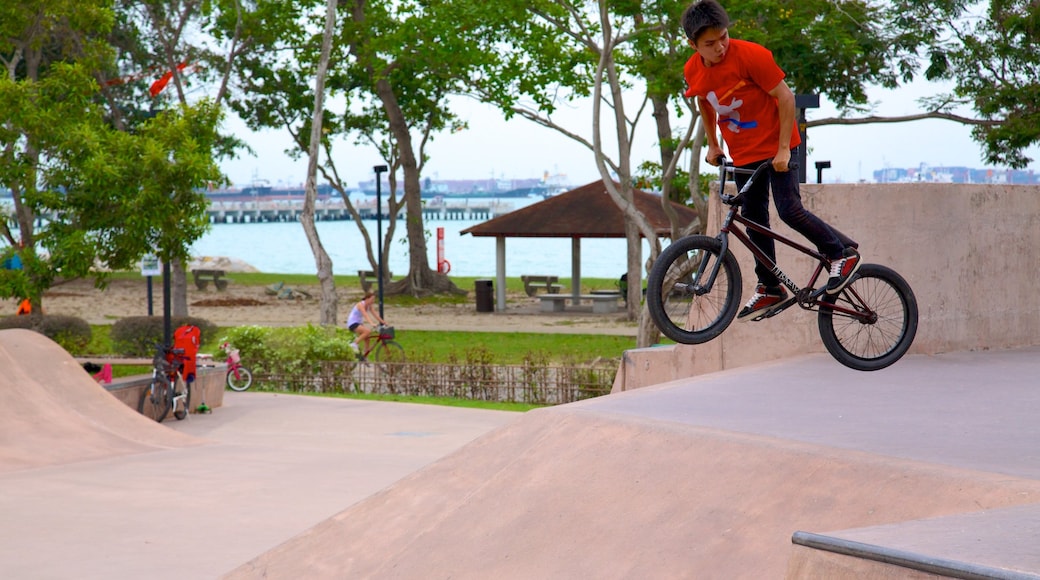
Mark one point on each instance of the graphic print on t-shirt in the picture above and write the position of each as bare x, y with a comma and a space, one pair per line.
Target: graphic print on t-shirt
729, 113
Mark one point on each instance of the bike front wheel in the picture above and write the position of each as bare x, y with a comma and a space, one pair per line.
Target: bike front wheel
239, 379
155, 400
693, 290
881, 324
389, 352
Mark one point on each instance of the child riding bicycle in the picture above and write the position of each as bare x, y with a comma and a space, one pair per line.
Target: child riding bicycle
741, 90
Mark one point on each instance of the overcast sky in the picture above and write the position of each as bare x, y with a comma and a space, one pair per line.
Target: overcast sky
520, 149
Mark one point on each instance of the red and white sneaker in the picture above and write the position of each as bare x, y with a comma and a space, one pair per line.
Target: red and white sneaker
842, 270
764, 303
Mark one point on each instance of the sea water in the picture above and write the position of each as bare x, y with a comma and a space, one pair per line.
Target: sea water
282, 247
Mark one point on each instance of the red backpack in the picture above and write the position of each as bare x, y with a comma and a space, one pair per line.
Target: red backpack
188, 338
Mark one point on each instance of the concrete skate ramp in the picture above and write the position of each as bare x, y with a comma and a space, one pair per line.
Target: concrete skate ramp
650, 484
52, 412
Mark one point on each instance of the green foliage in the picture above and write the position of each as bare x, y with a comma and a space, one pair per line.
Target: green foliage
997, 68
70, 332
137, 335
292, 350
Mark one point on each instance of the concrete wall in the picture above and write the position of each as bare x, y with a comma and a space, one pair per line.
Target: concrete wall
971, 253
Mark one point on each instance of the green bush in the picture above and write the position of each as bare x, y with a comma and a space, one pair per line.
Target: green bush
138, 335
71, 333
289, 349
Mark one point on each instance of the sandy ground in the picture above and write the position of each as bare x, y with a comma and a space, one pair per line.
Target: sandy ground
241, 305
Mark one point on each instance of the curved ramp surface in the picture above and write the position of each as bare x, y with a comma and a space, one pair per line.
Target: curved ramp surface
52, 412
706, 478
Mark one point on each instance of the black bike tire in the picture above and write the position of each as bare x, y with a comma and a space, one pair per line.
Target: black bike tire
727, 289
389, 346
888, 294
180, 415
244, 381
155, 394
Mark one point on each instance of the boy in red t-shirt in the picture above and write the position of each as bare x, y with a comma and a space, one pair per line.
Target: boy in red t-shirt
741, 90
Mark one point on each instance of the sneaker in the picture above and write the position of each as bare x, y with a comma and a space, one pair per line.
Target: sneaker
764, 303
354, 347
842, 270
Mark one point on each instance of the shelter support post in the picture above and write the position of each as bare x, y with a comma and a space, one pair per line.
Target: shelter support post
575, 270
500, 273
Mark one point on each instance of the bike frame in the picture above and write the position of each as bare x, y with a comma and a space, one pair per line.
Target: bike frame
233, 364
727, 229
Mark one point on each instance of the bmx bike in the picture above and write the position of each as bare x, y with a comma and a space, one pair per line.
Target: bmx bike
694, 290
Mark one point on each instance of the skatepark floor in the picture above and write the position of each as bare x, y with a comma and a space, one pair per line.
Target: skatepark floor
293, 484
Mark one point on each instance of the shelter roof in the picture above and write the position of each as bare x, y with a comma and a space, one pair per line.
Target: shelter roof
585, 212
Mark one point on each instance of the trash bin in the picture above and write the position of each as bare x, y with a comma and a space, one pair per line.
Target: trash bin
485, 291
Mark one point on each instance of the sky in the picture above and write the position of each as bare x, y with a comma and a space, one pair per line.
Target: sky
519, 149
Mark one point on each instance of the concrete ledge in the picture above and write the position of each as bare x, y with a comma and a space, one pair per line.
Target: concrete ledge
988, 544
208, 387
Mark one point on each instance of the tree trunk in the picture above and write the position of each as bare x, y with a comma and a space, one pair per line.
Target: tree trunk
178, 290
321, 257
421, 279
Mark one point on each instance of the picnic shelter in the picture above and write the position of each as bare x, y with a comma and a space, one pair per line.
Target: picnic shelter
585, 212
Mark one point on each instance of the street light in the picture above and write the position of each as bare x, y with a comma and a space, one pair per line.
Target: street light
379, 233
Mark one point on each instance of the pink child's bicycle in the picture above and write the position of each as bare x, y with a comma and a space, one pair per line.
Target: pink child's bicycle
239, 378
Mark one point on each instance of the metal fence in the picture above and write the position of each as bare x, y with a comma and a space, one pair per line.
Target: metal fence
540, 385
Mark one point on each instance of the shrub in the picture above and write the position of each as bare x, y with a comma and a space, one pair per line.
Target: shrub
138, 335
289, 349
71, 333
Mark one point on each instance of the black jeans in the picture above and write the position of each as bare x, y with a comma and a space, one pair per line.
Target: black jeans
829, 241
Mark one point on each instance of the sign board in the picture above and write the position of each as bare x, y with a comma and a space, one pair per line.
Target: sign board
150, 265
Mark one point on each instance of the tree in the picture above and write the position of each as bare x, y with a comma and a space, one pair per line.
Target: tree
106, 195
996, 66
598, 49
321, 257
161, 42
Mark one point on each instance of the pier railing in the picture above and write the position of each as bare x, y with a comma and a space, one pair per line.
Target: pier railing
237, 212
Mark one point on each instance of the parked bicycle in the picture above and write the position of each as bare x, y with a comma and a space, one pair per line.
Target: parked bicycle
167, 389
238, 377
694, 287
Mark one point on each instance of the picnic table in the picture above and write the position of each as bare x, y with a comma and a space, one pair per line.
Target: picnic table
533, 283
602, 303
204, 277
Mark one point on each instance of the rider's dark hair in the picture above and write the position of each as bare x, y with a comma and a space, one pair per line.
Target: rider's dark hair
702, 16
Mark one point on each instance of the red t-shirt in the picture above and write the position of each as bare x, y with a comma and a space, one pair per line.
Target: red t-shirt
738, 89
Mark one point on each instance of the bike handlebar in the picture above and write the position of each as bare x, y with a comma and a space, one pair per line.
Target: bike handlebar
726, 167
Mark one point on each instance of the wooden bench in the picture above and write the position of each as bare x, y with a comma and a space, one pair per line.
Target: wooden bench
532, 284
203, 278
368, 278
602, 303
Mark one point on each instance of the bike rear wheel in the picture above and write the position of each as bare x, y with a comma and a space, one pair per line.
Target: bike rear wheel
885, 326
239, 379
676, 294
155, 400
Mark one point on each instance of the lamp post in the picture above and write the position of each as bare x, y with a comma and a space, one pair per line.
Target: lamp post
379, 233
820, 166
801, 103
